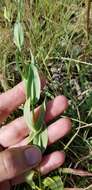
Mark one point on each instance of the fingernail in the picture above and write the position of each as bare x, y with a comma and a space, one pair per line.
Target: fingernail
33, 156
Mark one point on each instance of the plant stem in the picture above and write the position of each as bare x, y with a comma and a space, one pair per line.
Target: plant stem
18, 62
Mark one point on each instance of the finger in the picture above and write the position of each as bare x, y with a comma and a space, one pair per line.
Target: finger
48, 164
17, 130
56, 131
11, 99
16, 161
56, 107
51, 162
13, 133
5, 185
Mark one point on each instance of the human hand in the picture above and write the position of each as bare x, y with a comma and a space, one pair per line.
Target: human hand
18, 157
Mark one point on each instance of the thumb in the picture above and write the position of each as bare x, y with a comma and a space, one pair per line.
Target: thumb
16, 161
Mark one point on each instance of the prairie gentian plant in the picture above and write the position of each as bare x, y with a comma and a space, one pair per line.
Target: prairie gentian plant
30, 76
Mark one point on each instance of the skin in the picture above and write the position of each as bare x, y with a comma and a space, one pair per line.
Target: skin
13, 138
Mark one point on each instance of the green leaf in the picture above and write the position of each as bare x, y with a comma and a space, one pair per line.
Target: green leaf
28, 117
18, 35
54, 183
33, 84
40, 120
25, 77
26, 71
7, 14
31, 137
32, 58
41, 139
20, 9
29, 178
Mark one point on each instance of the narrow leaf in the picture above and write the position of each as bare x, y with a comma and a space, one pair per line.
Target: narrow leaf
44, 139
31, 137
28, 115
41, 140
20, 9
40, 120
18, 35
33, 84
25, 77
7, 14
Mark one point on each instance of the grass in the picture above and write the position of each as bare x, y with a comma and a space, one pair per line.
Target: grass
59, 35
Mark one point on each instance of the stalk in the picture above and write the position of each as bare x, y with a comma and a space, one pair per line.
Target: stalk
30, 76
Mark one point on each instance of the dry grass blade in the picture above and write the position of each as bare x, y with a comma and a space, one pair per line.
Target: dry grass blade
85, 126
76, 172
4, 82
87, 188
75, 135
88, 17
71, 59
73, 189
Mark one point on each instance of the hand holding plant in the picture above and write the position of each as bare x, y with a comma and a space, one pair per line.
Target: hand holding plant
13, 136
18, 156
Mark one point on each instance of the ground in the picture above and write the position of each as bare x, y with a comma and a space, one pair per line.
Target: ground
60, 36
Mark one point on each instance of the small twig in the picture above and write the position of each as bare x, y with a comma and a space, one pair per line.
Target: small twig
85, 126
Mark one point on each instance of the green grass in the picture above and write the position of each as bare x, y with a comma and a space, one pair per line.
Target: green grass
58, 36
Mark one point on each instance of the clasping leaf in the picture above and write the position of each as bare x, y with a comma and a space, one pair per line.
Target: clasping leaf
33, 84
28, 117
